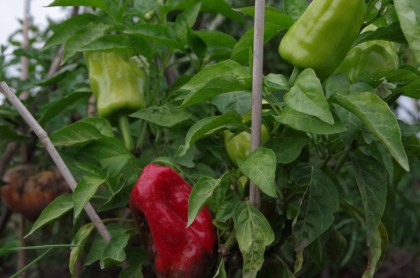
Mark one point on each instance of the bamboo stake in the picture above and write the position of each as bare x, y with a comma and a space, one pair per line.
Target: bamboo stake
257, 76
45, 140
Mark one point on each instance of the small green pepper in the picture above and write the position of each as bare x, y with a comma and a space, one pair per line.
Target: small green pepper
238, 146
323, 35
369, 58
116, 82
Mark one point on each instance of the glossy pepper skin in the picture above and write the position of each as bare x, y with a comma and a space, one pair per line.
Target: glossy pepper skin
323, 35
159, 204
116, 82
369, 58
238, 146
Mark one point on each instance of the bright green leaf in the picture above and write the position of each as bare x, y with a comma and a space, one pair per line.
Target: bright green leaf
307, 123
79, 239
307, 96
260, 167
408, 12
254, 234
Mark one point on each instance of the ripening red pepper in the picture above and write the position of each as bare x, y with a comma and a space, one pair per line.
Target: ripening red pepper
159, 202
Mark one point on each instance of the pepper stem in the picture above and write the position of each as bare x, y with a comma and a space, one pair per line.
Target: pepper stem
294, 75
124, 126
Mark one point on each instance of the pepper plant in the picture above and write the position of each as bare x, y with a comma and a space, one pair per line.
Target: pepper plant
171, 85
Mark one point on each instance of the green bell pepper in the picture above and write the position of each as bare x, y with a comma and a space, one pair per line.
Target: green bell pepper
369, 58
116, 82
323, 35
238, 146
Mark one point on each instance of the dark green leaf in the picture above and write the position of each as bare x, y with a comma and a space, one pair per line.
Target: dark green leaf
110, 153
60, 105
84, 191
319, 203
165, 115
57, 208
287, 149
200, 193
215, 87
378, 118
67, 28
83, 37
162, 34
372, 182
208, 126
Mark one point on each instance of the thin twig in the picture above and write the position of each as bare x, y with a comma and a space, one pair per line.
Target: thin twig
257, 76
45, 140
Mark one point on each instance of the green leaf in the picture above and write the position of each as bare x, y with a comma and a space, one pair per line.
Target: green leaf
164, 115
215, 87
376, 251
208, 126
378, 118
186, 20
220, 272
10, 134
254, 234
372, 182
239, 101
226, 68
275, 22
307, 123
67, 28
57, 208
260, 167
75, 134
79, 239
89, 3
200, 193
105, 42
84, 191
159, 33
197, 45
408, 12
287, 149
114, 252
307, 96
55, 108
295, 8
213, 6
83, 37
219, 44
319, 203
109, 253
276, 82
101, 124
110, 153
223, 201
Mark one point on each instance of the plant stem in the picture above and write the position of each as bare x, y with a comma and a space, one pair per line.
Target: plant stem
257, 77
125, 132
